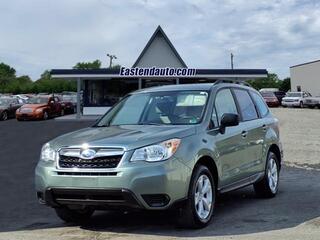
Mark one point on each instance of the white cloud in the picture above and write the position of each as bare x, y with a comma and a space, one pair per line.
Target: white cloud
43, 34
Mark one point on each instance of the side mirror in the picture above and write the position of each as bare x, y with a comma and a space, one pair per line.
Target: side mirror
228, 120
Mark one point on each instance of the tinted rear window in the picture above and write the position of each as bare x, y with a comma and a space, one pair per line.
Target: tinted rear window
260, 103
247, 108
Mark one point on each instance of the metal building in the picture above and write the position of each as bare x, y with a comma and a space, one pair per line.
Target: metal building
306, 77
158, 64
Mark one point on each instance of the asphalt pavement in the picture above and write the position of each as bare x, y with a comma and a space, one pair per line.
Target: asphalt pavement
293, 214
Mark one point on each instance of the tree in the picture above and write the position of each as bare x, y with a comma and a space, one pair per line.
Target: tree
285, 85
88, 65
271, 81
7, 71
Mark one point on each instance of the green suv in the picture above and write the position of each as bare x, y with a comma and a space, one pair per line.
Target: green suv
169, 147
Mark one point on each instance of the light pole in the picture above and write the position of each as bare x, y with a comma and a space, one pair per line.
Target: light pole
231, 56
111, 58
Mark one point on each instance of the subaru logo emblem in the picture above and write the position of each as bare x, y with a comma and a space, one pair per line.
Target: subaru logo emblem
88, 154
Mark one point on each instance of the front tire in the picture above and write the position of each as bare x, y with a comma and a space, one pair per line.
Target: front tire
197, 211
45, 115
74, 216
268, 186
4, 116
301, 105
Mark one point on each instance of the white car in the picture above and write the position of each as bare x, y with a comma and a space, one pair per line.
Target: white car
295, 99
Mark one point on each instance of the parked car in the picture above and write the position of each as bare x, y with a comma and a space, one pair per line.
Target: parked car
21, 98
295, 99
69, 103
312, 102
271, 99
40, 107
280, 95
174, 146
8, 107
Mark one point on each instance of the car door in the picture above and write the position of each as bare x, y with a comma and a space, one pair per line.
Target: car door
14, 106
251, 133
58, 105
51, 106
229, 145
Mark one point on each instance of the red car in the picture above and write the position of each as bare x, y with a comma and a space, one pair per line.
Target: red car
40, 107
271, 99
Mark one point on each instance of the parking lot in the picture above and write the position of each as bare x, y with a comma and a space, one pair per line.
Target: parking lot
293, 214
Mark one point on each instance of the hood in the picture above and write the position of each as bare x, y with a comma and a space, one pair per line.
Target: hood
33, 106
127, 136
291, 98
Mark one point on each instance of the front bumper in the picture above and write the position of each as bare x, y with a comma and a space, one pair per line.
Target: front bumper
273, 104
290, 104
147, 185
29, 116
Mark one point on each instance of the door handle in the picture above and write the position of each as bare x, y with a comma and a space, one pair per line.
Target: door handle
244, 134
264, 127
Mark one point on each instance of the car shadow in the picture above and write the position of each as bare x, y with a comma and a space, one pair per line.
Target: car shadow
238, 212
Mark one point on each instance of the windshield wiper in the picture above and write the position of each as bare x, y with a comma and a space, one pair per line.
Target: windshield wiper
152, 123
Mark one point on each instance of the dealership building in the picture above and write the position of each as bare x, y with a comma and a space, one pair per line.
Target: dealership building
159, 63
306, 77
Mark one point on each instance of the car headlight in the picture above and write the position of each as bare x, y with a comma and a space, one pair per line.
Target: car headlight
47, 153
39, 110
157, 152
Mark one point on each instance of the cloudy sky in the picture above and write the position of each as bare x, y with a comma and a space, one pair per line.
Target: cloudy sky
36, 35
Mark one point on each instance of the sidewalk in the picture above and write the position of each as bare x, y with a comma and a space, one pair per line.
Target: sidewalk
73, 117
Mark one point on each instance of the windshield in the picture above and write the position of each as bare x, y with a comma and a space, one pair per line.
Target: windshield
171, 108
267, 94
294, 94
4, 101
69, 98
38, 100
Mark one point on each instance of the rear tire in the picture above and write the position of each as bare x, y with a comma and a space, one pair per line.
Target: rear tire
268, 186
197, 211
74, 216
4, 116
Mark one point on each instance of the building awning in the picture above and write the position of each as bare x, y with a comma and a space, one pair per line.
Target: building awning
200, 73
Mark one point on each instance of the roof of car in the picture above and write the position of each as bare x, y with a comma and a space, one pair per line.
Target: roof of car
186, 87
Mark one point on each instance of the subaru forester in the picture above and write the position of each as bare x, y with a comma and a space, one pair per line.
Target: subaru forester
168, 147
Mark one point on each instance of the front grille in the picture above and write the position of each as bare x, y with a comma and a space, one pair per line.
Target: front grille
87, 173
97, 162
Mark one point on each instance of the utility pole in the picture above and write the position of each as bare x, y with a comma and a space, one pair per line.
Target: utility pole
231, 60
111, 58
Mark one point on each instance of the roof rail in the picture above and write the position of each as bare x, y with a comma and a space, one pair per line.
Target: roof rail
232, 81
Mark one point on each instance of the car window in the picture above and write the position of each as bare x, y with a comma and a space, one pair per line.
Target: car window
171, 108
260, 103
224, 103
247, 108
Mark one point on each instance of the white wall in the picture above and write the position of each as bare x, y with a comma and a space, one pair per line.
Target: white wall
159, 54
95, 110
307, 76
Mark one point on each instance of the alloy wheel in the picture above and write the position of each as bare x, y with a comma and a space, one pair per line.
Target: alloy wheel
273, 176
45, 115
4, 116
203, 197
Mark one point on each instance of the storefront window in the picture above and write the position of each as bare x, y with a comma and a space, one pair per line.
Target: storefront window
107, 92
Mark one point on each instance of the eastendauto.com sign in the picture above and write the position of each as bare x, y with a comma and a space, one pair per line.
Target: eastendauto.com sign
154, 71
